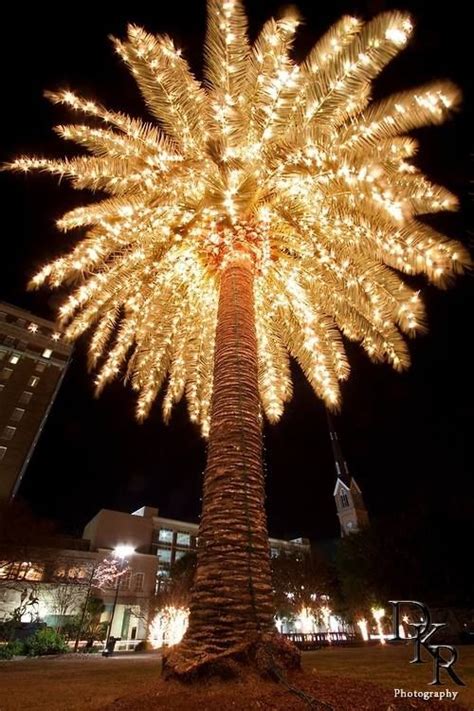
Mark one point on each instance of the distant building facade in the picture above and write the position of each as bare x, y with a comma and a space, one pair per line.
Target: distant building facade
168, 540
33, 361
53, 577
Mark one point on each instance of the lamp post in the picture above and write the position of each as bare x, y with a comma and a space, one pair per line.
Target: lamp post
122, 552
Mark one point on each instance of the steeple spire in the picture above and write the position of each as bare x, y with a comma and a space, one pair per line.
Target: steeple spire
342, 470
350, 505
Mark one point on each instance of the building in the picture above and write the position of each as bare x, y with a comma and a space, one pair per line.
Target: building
350, 505
166, 539
33, 361
52, 581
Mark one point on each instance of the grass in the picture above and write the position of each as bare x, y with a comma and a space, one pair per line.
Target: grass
77, 684
389, 666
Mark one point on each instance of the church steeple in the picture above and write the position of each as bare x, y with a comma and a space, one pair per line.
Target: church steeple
350, 505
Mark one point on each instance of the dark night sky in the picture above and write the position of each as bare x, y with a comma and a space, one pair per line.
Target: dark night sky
406, 437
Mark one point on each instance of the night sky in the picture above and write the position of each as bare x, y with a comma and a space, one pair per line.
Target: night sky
407, 438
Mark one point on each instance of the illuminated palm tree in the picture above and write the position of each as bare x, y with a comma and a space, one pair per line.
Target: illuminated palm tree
262, 214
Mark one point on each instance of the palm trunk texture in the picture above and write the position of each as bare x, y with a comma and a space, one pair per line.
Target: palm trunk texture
231, 610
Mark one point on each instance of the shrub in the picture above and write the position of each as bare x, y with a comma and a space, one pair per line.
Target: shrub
46, 641
11, 649
143, 646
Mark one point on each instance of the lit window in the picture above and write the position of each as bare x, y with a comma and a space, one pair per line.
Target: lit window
14, 359
33, 327
3, 451
166, 535
56, 336
6, 372
274, 552
183, 539
25, 397
34, 571
164, 555
47, 353
40, 367
178, 555
125, 580
33, 381
138, 580
17, 414
8, 432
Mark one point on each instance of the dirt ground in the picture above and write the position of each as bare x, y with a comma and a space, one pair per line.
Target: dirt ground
366, 678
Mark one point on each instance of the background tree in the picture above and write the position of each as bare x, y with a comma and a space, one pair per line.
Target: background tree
413, 556
262, 216
300, 582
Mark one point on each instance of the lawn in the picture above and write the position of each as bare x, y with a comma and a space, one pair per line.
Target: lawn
87, 683
389, 666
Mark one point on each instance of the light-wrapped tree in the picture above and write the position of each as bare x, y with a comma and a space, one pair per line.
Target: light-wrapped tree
262, 214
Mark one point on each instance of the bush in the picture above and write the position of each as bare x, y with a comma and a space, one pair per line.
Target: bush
46, 641
143, 646
11, 649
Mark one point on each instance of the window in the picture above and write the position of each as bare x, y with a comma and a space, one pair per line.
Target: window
179, 554
6, 372
138, 580
125, 580
14, 359
274, 552
40, 367
2, 355
1, 387
9, 341
33, 327
8, 432
17, 414
24, 570
344, 500
166, 535
3, 451
25, 397
33, 381
2, 315
164, 555
183, 539
20, 322
22, 345
47, 353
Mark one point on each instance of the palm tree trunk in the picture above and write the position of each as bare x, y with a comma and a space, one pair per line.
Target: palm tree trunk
231, 606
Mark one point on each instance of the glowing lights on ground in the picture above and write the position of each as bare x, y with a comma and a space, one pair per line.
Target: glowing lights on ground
168, 627
364, 629
378, 614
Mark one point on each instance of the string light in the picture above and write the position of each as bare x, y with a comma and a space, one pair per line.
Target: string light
306, 180
364, 630
378, 613
168, 626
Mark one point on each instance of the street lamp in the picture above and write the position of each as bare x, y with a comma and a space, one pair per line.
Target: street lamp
122, 552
